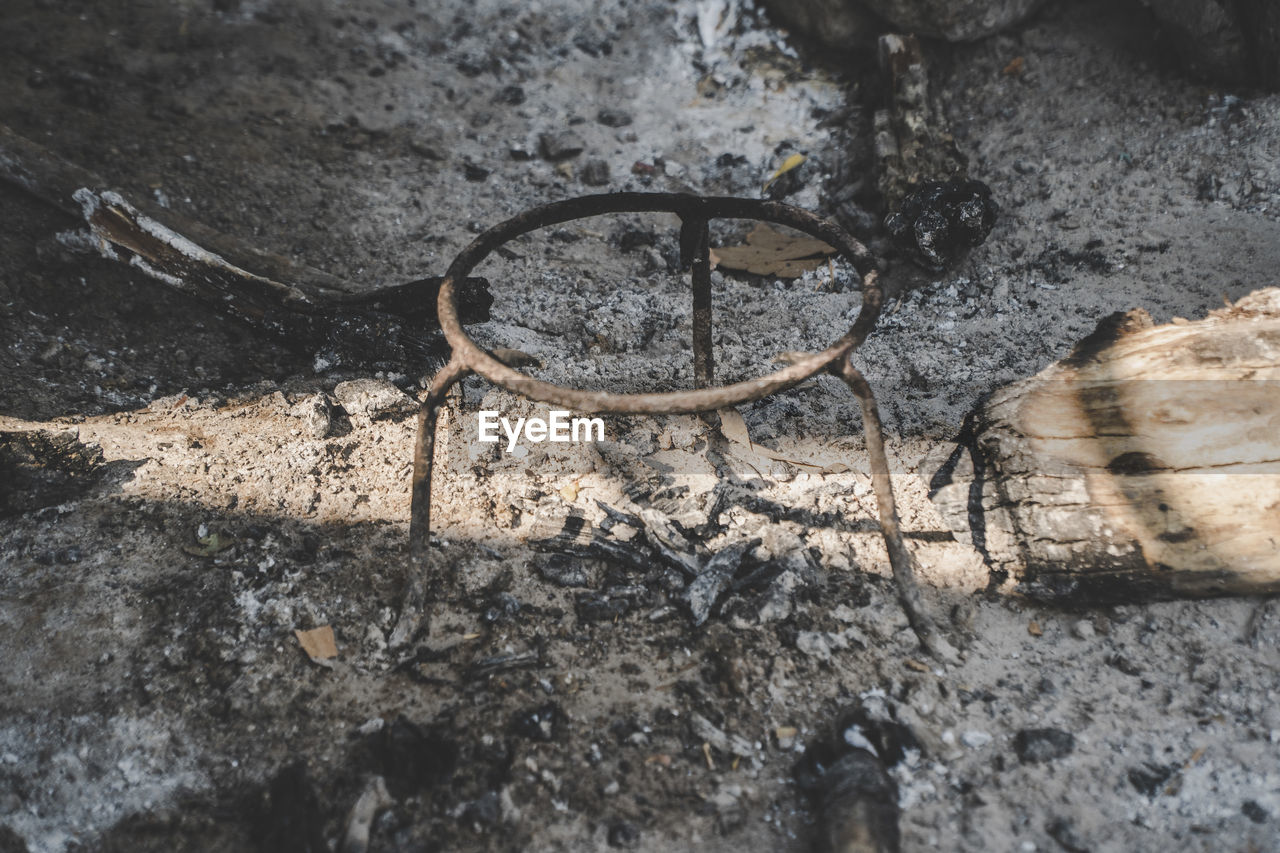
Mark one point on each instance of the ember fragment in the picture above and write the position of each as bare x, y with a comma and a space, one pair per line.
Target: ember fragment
942, 220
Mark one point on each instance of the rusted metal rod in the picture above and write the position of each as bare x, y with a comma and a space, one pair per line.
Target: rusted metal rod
704, 370
413, 616
695, 214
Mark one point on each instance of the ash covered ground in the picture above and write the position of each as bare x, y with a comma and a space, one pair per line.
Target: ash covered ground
154, 695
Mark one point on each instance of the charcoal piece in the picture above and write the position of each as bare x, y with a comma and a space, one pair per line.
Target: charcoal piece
705, 590
595, 173
560, 146
1149, 778
611, 117
485, 810
857, 804
623, 834
1064, 832
496, 664
414, 758
578, 537
940, 221
593, 607
542, 723
502, 608
41, 468
1039, 745
11, 842
290, 819
1255, 812
563, 571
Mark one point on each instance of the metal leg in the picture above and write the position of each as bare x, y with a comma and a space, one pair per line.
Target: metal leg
703, 358
412, 610
899, 557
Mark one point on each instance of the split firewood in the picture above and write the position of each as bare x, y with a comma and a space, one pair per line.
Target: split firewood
1145, 465
306, 309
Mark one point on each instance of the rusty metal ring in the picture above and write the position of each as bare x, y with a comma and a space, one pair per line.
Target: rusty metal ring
468, 356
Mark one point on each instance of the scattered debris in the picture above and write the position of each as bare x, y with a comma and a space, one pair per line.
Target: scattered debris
369, 399
39, 468
704, 730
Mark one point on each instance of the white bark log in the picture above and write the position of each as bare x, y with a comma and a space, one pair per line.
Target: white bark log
1145, 465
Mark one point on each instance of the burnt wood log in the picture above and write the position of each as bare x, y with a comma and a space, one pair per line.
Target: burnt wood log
1145, 465
306, 309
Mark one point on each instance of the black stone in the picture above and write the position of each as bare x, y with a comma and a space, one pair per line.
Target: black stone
1254, 812
541, 723
623, 834
595, 173
1064, 832
1038, 745
611, 117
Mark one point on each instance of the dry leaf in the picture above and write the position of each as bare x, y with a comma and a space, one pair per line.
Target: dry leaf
787, 165
733, 427
214, 543
318, 643
1034, 629
770, 252
1015, 66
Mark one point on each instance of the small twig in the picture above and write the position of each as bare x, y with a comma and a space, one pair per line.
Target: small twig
899, 557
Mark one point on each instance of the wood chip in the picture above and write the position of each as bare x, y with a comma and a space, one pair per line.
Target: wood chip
318, 643
1034, 629
770, 252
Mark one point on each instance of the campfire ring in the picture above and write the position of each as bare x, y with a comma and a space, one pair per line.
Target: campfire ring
695, 213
